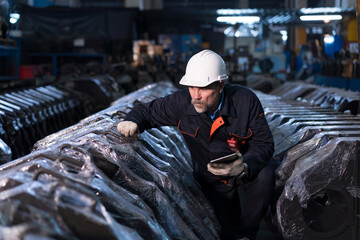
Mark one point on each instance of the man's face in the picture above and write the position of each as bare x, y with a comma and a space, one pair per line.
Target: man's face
206, 98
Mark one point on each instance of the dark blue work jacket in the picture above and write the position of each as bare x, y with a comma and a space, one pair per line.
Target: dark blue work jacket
241, 116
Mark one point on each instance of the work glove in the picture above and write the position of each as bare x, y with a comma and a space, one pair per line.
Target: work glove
128, 129
231, 169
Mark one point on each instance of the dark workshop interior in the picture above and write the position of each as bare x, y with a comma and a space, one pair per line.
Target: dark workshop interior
71, 70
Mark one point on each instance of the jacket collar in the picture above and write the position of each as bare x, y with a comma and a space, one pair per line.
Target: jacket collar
228, 108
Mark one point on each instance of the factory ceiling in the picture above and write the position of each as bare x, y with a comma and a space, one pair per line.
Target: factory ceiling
217, 4
273, 16
272, 12
187, 4
193, 15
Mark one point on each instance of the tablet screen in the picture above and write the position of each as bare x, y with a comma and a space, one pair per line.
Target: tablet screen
225, 159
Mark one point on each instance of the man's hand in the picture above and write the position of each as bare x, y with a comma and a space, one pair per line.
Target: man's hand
231, 169
128, 129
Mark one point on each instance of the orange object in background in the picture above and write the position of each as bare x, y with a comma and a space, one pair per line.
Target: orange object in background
26, 71
300, 38
30, 71
352, 31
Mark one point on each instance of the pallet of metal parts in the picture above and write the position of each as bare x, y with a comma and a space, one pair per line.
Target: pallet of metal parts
142, 186
322, 189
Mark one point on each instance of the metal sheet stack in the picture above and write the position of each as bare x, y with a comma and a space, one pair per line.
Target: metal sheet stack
89, 182
318, 151
29, 115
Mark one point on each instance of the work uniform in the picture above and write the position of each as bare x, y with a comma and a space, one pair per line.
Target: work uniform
241, 117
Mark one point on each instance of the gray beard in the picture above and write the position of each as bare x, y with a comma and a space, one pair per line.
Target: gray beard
204, 107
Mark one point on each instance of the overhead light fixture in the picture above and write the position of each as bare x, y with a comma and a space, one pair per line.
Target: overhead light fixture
321, 10
228, 31
284, 35
236, 11
238, 19
329, 39
320, 17
279, 19
14, 17
241, 31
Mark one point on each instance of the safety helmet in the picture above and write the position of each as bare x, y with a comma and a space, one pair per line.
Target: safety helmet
203, 69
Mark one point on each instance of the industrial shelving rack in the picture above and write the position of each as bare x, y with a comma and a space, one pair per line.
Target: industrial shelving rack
9, 59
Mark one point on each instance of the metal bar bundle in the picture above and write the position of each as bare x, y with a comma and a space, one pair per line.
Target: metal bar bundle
89, 182
31, 114
317, 149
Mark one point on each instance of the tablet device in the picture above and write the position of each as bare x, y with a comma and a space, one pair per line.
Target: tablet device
225, 159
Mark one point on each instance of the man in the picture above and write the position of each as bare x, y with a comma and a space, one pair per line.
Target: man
217, 119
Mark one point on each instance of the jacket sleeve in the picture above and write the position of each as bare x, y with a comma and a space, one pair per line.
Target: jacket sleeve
159, 112
261, 144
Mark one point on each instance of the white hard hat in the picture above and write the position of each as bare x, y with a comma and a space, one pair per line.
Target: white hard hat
203, 69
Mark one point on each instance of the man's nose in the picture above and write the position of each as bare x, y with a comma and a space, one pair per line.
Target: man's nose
196, 93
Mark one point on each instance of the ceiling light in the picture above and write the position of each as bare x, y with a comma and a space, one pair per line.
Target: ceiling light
284, 35
241, 31
239, 19
320, 17
14, 17
228, 31
329, 39
236, 11
279, 19
320, 10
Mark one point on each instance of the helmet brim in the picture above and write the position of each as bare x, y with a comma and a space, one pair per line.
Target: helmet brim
201, 83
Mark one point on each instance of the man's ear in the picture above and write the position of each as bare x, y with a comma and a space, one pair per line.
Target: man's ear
222, 84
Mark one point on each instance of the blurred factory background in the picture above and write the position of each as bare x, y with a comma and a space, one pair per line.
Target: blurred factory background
70, 70
287, 39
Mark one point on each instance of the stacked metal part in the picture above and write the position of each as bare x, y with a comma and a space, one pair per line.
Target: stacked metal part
89, 182
335, 98
318, 149
29, 115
